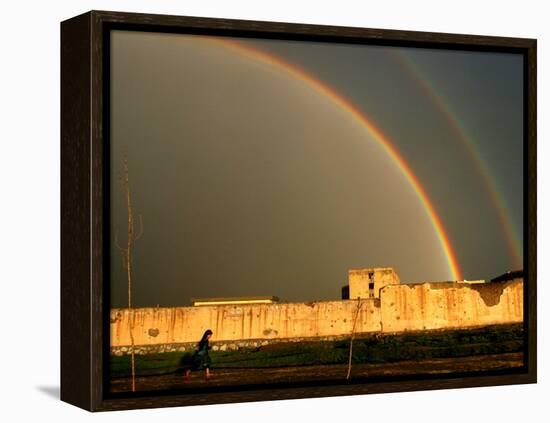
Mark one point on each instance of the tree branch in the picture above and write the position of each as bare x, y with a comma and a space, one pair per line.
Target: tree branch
118, 245
140, 233
124, 260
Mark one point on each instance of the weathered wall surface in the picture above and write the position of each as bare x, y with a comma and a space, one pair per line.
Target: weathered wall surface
400, 308
450, 305
258, 321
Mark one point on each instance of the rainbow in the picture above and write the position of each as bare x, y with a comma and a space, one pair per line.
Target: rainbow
511, 236
368, 125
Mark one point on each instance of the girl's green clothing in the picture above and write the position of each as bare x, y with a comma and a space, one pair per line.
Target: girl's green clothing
201, 359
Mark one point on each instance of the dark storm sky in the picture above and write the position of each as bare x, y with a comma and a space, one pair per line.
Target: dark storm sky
250, 183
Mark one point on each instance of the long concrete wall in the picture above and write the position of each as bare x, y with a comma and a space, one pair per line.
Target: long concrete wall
258, 321
400, 308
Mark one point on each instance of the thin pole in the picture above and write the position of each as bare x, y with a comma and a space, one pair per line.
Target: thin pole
353, 336
127, 260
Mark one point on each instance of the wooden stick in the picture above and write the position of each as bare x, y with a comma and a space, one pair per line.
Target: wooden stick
353, 336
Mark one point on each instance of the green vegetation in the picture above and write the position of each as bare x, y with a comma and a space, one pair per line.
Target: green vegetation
366, 349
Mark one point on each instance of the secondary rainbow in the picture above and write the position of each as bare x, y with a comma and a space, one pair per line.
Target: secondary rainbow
368, 125
444, 107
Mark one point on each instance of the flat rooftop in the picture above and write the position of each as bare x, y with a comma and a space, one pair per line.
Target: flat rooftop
233, 300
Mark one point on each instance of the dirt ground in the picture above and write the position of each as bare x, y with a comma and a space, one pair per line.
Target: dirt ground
232, 377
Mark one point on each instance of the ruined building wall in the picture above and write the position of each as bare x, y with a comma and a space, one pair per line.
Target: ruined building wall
400, 308
359, 280
450, 305
254, 321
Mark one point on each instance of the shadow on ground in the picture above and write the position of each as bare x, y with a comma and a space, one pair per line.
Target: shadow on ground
50, 391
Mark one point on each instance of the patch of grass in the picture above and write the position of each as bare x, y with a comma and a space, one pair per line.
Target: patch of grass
366, 349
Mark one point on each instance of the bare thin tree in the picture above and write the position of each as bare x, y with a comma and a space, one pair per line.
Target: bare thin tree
353, 336
126, 253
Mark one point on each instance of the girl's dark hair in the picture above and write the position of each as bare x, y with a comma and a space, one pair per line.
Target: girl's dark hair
206, 333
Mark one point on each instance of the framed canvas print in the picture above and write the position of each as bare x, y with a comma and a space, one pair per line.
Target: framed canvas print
257, 211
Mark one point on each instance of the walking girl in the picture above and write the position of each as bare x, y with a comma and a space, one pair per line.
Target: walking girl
201, 359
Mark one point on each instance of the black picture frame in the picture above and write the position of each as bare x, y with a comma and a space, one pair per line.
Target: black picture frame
84, 202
